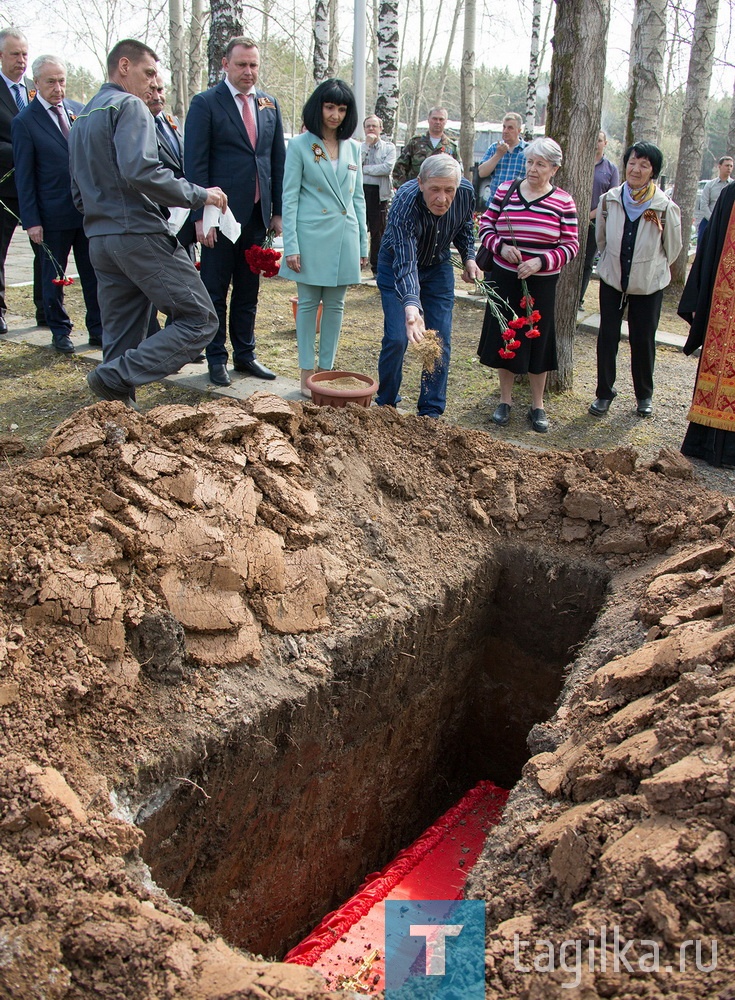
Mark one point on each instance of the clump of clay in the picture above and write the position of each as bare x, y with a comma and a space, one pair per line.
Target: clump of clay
429, 350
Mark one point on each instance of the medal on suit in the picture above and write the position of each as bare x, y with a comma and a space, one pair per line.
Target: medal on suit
319, 153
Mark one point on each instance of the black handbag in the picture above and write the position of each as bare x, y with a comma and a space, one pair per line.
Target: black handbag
484, 257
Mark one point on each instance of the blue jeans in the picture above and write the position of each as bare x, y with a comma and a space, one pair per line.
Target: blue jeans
437, 301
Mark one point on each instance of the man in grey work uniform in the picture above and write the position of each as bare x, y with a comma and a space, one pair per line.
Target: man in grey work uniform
119, 183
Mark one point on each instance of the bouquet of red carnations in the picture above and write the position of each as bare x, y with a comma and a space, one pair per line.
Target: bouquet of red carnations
264, 260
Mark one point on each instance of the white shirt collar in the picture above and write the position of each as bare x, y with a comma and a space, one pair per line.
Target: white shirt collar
235, 92
44, 103
15, 83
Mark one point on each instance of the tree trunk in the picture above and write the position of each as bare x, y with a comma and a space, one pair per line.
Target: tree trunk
333, 60
575, 104
226, 23
646, 71
265, 31
467, 89
533, 71
693, 131
386, 104
178, 58
731, 127
196, 39
448, 53
321, 41
672, 51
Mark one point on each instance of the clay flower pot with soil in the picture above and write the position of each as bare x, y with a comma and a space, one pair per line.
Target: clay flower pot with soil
338, 388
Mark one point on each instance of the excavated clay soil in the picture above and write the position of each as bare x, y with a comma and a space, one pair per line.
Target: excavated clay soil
167, 578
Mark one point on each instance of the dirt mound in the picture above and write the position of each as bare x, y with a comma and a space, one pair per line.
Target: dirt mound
148, 562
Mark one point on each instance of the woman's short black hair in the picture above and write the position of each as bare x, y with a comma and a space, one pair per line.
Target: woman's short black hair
331, 91
646, 151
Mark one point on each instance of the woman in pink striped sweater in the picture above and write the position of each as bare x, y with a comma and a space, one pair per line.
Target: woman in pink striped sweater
530, 227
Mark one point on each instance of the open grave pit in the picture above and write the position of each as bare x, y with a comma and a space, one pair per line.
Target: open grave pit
275, 636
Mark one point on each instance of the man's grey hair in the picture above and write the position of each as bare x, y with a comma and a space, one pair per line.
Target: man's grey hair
546, 148
513, 116
440, 165
441, 111
42, 61
11, 33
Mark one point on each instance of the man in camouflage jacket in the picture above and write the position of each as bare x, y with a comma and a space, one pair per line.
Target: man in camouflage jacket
417, 149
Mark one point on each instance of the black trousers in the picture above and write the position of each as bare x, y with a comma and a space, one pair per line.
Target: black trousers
223, 265
376, 213
644, 312
8, 222
60, 243
589, 259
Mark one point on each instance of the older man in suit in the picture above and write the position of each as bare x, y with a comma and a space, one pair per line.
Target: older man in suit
41, 151
234, 139
16, 92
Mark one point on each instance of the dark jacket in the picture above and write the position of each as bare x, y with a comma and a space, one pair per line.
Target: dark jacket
41, 155
697, 296
118, 181
8, 111
219, 152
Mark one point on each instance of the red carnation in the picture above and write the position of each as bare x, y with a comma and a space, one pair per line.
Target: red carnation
504, 353
535, 316
507, 335
518, 323
532, 334
513, 345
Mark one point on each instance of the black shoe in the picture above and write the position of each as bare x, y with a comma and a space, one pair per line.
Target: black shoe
218, 375
538, 420
502, 414
600, 407
254, 368
63, 344
199, 359
3, 325
103, 391
644, 407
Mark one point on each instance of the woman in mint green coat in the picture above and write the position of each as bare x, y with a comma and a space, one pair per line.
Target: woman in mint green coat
324, 231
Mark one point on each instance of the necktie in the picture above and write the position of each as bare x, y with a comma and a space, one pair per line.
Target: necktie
19, 97
249, 123
166, 138
63, 123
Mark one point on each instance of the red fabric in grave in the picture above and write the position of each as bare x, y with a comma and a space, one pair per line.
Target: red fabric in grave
435, 866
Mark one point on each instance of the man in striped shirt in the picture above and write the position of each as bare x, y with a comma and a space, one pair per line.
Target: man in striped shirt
416, 278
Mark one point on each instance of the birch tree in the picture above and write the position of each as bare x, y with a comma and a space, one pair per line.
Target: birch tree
321, 40
448, 53
178, 57
731, 126
196, 45
646, 76
533, 70
333, 58
573, 119
467, 88
226, 23
693, 131
386, 104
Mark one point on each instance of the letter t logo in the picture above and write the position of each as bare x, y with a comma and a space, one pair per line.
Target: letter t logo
436, 935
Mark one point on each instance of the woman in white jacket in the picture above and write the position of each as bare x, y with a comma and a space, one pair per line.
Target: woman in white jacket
638, 233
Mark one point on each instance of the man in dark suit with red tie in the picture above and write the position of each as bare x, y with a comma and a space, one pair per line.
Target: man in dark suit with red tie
234, 139
41, 151
16, 92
